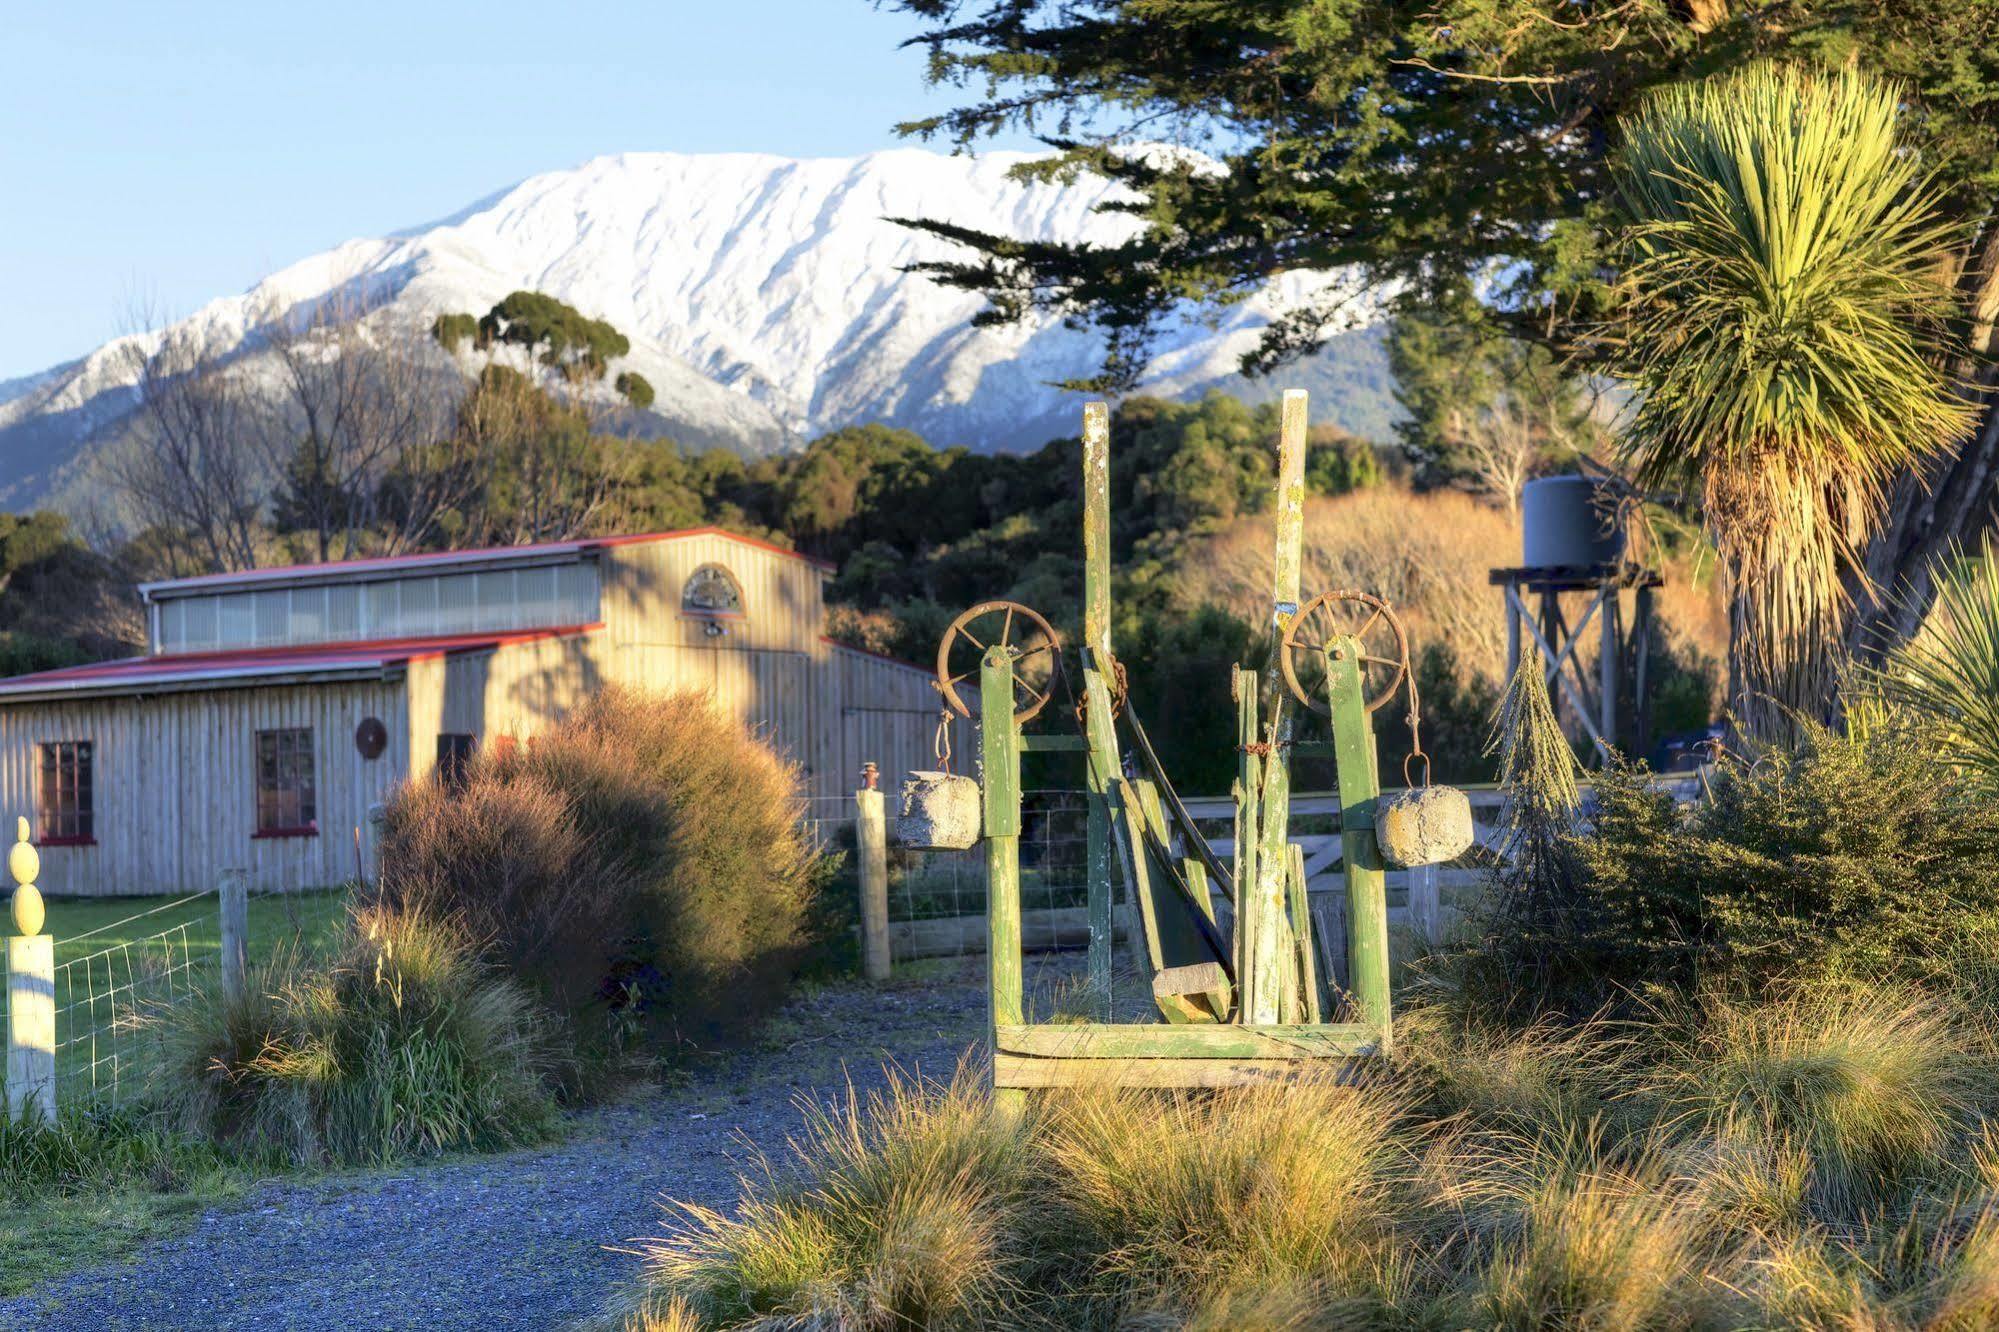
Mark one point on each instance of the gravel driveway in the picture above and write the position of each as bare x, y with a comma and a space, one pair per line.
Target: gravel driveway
524, 1240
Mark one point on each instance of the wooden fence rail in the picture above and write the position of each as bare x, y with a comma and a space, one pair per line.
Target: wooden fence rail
1427, 902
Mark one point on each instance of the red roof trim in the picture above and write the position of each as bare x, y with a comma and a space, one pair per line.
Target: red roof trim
579, 546
360, 654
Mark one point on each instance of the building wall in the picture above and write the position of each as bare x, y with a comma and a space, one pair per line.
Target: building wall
174, 774
174, 780
888, 716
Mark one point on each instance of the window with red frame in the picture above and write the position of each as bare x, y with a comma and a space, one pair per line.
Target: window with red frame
285, 801
63, 793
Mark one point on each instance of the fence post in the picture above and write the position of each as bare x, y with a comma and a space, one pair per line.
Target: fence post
871, 845
235, 930
31, 993
1425, 904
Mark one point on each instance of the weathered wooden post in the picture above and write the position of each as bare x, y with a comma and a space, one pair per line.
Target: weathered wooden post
235, 894
871, 847
31, 993
1101, 762
999, 752
1271, 991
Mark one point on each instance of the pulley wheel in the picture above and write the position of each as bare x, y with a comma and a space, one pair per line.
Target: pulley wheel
1362, 616
1036, 648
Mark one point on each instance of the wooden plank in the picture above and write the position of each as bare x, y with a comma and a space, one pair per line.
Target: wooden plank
1054, 744
1102, 745
1249, 781
1000, 751
1023, 1073
1271, 992
1301, 931
1041, 928
1162, 1041
1193, 994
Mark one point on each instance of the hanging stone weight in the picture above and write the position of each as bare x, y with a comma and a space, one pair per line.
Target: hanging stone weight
940, 812
1426, 825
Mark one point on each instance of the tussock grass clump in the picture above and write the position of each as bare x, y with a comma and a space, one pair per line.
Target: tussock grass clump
893, 1210
1210, 1200
642, 856
406, 1043
1823, 1099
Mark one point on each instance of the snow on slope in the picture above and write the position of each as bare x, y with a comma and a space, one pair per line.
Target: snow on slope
765, 298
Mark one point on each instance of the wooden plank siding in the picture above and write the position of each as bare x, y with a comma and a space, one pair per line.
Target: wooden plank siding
174, 784
888, 716
175, 780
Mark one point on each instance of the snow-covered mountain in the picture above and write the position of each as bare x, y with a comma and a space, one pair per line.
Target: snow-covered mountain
765, 298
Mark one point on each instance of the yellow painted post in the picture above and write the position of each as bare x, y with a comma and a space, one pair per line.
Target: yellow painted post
31, 993
871, 849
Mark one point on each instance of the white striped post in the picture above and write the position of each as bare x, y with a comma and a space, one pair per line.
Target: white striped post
31, 993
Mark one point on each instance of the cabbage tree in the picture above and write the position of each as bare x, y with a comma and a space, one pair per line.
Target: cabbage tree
1781, 317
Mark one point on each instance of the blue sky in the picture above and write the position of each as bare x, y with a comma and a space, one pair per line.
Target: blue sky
161, 154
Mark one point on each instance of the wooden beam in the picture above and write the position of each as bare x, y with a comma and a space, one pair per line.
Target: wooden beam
1019, 1073
1101, 746
999, 739
1270, 993
1162, 1041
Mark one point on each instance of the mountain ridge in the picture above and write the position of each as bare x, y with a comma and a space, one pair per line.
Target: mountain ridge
767, 299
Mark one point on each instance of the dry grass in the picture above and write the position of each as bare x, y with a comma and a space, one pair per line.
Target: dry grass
890, 1211
1428, 554
1817, 1160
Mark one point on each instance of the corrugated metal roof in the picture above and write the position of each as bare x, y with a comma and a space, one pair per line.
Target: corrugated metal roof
134, 675
348, 569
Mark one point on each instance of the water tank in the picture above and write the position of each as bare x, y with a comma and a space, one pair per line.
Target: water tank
1569, 522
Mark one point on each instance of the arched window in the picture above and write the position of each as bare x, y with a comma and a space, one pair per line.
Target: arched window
712, 593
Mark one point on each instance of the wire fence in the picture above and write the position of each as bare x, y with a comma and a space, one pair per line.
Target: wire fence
110, 984
937, 899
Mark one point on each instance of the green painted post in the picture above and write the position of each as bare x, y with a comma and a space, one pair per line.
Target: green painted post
1248, 783
999, 749
1273, 991
1360, 787
1105, 779
1102, 765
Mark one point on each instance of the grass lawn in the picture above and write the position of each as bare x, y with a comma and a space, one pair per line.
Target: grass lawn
128, 952
83, 926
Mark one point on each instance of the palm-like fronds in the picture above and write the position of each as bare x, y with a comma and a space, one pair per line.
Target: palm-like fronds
1950, 671
1781, 317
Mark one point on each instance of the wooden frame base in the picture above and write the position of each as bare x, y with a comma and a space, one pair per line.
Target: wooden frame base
1147, 1055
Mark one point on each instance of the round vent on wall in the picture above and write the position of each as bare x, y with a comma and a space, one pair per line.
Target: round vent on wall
371, 737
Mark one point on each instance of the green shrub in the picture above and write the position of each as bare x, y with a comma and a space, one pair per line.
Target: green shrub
644, 855
1849, 857
406, 1043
